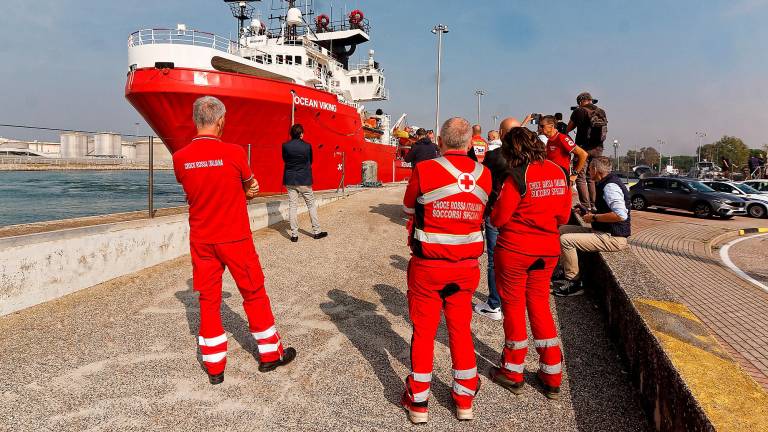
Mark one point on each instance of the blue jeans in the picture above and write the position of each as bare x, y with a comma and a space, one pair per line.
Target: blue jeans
491, 233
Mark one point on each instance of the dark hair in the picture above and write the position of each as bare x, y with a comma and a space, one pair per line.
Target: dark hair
296, 131
521, 146
548, 119
559, 116
420, 132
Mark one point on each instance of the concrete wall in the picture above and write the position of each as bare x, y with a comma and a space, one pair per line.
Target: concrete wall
40, 267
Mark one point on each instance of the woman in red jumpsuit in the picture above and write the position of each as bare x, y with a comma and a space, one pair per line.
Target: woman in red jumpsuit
534, 201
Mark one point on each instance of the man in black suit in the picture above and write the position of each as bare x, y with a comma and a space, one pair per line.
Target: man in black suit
422, 149
297, 178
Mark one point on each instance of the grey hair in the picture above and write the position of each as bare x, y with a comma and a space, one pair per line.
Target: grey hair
602, 164
207, 110
456, 133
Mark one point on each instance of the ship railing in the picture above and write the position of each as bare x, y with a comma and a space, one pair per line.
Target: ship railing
182, 37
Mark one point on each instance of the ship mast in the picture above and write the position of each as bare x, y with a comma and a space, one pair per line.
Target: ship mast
242, 11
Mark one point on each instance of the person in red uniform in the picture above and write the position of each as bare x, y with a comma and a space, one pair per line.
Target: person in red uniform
446, 198
560, 146
534, 201
479, 145
217, 180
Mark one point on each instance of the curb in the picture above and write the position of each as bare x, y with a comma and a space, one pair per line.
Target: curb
752, 231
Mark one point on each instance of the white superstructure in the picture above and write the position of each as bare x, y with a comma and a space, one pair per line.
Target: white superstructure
292, 52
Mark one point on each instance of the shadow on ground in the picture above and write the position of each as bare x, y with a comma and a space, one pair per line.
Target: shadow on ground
393, 211
599, 384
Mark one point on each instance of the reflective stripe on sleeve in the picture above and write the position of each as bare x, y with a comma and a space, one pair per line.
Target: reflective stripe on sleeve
408, 210
465, 374
553, 369
268, 348
421, 396
265, 334
519, 368
461, 390
448, 239
214, 358
212, 342
516, 345
422, 377
546, 343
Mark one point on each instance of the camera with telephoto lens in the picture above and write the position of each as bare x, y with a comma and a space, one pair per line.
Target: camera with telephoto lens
535, 118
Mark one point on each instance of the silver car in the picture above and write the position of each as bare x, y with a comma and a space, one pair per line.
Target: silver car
761, 185
757, 202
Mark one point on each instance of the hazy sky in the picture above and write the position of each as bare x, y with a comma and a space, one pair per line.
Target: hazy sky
661, 69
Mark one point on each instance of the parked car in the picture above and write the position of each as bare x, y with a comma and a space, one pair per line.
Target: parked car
761, 185
757, 202
685, 194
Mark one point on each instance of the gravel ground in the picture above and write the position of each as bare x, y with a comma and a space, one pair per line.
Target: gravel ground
121, 355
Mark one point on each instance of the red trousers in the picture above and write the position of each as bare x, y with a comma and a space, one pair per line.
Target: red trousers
240, 257
425, 304
523, 282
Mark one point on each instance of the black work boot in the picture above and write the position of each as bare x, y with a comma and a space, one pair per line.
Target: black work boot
499, 378
288, 355
216, 379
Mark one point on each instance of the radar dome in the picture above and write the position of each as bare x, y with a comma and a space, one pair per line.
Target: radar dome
294, 17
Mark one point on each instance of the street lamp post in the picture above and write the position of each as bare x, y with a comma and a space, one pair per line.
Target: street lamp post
439, 30
698, 152
661, 154
616, 154
495, 121
480, 94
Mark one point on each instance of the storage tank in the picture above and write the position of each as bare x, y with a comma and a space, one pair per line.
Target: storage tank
107, 144
160, 154
74, 145
129, 150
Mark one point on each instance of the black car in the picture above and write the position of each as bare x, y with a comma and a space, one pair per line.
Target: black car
686, 194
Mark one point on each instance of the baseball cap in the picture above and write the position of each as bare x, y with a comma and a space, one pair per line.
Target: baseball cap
583, 96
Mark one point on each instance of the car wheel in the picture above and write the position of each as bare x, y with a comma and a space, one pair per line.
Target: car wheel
756, 211
702, 210
639, 203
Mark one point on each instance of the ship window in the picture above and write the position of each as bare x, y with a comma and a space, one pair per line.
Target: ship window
279, 58
354, 80
369, 78
269, 58
289, 60
259, 59
297, 60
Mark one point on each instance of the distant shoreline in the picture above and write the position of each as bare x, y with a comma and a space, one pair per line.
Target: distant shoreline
41, 167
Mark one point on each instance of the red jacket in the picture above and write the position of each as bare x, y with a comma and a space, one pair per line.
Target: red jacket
528, 217
447, 198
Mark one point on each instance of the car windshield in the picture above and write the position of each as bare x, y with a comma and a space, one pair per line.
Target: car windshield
699, 186
747, 189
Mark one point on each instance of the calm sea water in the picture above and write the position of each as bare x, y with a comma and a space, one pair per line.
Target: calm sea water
35, 196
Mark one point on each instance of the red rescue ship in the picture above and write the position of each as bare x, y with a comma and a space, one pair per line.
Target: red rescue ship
297, 71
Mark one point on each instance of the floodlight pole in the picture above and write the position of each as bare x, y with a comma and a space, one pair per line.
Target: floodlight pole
439, 30
480, 94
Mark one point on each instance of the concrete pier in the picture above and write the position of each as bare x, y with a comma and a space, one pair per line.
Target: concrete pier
121, 355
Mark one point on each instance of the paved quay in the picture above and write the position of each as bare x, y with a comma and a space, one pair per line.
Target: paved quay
684, 252
121, 355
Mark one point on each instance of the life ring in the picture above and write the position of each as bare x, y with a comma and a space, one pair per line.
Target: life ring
356, 17
322, 21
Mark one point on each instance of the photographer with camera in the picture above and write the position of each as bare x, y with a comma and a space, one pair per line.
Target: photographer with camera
560, 147
591, 124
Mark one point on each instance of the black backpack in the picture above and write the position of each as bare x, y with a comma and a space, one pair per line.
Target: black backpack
598, 124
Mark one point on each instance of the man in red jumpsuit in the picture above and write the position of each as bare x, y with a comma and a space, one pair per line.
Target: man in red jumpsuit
479, 146
217, 180
560, 147
446, 197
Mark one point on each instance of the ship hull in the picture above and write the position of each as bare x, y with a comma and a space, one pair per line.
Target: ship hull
259, 119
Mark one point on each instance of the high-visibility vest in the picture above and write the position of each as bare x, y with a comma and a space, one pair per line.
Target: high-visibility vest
481, 148
448, 217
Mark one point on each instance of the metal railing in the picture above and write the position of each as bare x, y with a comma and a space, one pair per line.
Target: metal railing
181, 37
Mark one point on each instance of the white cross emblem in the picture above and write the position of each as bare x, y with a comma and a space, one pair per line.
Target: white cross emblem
467, 182
340, 167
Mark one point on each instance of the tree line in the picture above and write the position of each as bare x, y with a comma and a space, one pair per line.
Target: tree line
733, 148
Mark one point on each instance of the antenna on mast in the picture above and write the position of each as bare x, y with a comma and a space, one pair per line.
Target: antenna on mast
242, 11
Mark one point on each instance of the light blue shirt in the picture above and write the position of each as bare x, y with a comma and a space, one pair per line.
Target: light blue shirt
614, 196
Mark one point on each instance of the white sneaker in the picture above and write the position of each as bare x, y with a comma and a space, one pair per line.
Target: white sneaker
488, 312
